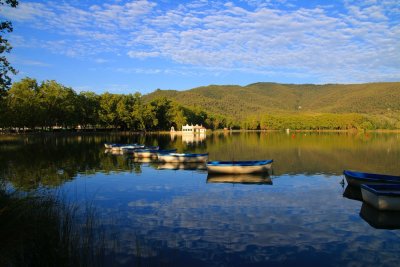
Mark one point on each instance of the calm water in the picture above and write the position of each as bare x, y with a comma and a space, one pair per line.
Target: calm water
299, 215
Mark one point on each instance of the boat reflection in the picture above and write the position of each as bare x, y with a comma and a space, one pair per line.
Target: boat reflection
113, 152
144, 160
380, 219
239, 178
353, 192
182, 166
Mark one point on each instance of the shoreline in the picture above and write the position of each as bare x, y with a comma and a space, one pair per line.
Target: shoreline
179, 133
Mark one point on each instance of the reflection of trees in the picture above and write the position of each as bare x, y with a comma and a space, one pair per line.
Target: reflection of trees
311, 152
31, 161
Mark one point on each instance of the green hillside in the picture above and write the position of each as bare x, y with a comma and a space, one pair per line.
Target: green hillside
271, 98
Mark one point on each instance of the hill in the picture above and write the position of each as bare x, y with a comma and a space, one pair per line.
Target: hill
272, 98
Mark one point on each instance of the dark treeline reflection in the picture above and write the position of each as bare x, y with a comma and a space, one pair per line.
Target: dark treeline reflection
50, 160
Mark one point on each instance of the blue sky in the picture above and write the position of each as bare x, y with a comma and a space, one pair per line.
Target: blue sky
128, 46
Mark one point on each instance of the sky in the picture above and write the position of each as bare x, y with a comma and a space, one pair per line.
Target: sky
140, 46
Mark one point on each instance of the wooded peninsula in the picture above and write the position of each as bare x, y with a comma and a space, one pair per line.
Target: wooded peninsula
49, 105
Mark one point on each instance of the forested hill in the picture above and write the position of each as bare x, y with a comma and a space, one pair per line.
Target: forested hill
261, 98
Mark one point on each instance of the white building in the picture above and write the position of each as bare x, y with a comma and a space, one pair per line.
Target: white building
196, 129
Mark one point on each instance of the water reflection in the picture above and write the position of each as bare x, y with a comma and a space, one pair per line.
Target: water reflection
179, 216
32, 161
380, 219
182, 166
190, 138
239, 179
353, 192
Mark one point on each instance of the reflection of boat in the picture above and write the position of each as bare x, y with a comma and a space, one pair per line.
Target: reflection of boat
183, 157
182, 166
382, 196
143, 160
150, 153
380, 219
239, 179
236, 167
352, 192
113, 152
358, 178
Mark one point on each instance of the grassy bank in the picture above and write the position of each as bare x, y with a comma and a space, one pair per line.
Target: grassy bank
41, 230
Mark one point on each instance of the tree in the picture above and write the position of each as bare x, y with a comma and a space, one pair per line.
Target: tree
23, 103
88, 109
5, 47
57, 105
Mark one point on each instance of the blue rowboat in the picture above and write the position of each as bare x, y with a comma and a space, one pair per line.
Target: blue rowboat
182, 157
382, 196
126, 147
358, 178
238, 167
150, 153
109, 145
133, 148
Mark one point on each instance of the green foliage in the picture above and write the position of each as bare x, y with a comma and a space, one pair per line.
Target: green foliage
5, 68
265, 106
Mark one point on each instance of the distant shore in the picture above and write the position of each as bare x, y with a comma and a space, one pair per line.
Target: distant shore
179, 133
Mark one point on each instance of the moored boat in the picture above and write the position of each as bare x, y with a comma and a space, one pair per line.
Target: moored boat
109, 145
382, 196
358, 178
183, 157
238, 167
132, 148
126, 147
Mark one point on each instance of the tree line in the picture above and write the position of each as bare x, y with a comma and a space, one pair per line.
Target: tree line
49, 105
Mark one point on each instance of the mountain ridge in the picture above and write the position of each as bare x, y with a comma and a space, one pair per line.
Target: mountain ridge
267, 97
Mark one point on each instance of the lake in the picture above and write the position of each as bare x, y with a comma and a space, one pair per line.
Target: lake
301, 214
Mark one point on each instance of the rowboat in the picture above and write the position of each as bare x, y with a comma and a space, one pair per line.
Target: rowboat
239, 179
126, 147
131, 149
194, 166
238, 167
358, 178
380, 219
382, 196
109, 145
150, 153
182, 157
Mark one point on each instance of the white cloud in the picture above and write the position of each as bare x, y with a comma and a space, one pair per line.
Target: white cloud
141, 54
360, 42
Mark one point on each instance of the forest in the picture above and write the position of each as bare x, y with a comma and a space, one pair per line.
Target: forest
51, 106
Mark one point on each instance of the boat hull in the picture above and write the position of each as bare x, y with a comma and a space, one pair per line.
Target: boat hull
239, 167
358, 178
382, 197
